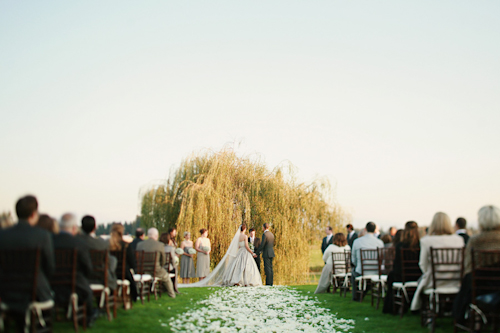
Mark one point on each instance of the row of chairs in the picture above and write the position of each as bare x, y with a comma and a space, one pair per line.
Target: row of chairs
446, 269
19, 272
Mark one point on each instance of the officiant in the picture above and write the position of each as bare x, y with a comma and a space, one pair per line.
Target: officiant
255, 241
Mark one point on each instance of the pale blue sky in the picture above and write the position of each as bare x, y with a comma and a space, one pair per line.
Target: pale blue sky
396, 102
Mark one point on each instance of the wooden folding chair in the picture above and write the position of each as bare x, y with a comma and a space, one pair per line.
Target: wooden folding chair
149, 266
104, 295
385, 263
19, 276
123, 294
369, 270
142, 279
447, 266
410, 273
347, 286
340, 272
64, 278
485, 280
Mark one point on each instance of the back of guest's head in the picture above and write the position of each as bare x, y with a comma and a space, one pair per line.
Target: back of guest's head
243, 227
398, 237
489, 218
411, 236
370, 227
461, 223
88, 224
48, 223
339, 239
26, 206
68, 222
441, 225
386, 239
116, 237
139, 232
266, 226
165, 238
153, 233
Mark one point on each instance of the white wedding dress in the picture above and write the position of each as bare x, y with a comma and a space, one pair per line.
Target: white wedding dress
237, 267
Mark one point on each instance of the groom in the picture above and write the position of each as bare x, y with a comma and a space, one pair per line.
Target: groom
266, 248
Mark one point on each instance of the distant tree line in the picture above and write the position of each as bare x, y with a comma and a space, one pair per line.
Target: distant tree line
105, 229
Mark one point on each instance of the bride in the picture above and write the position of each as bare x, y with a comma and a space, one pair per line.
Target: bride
237, 267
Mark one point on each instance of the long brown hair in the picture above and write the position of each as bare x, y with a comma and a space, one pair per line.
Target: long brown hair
339, 239
116, 237
411, 237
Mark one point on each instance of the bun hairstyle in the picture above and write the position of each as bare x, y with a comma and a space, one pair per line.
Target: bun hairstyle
202, 231
243, 227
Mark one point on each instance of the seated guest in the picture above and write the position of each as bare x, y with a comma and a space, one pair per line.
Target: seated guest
440, 235
152, 245
48, 223
368, 241
23, 235
139, 237
167, 238
397, 237
408, 239
116, 243
88, 237
387, 240
339, 245
460, 230
487, 239
66, 240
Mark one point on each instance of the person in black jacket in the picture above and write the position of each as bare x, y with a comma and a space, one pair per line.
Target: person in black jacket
66, 240
351, 235
460, 229
327, 240
24, 235
139, 237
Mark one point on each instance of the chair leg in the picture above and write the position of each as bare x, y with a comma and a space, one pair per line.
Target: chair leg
84, 317
106, 304
115, 296
75, 317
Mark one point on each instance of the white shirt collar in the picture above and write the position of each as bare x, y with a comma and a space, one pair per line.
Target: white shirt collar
461, 231
352, 233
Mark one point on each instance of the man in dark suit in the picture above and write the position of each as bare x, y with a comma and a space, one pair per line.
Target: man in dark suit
351, 235
460, 229
256, 243
66, 240
93, 243
267, 249
24, 235
327, 240
139, 237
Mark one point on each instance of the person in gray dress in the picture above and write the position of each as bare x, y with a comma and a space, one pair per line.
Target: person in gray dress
187, 264
203, 247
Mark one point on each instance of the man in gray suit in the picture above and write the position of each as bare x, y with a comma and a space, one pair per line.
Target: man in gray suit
88, 237
267, 249
152, 245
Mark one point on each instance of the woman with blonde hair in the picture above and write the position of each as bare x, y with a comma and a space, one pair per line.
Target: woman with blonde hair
116, 243
441, 235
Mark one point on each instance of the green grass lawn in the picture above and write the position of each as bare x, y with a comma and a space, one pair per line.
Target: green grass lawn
368, 319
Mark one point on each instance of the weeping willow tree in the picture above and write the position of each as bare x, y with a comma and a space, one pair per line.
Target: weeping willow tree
219, 191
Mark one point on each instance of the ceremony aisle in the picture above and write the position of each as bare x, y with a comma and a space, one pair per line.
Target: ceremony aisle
259, 309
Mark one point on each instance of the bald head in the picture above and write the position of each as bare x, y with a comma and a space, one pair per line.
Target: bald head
153, 233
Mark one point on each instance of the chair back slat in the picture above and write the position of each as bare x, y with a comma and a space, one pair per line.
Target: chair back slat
139, 259
149, 263
348, 261
339, 263
19, 273
485, 272
385, 259
100, 266
410, 271
447, 265
369, 261
65, 272
121, 264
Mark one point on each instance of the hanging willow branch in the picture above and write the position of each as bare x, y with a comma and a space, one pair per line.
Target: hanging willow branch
219, 191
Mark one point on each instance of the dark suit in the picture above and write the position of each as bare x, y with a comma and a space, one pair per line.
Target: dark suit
134, 243
267, 250
351, 239
24, 236
325, 244
100, 245
465, 237
65, 240
256, 244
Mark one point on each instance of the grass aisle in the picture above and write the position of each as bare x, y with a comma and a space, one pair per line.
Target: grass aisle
368, 319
